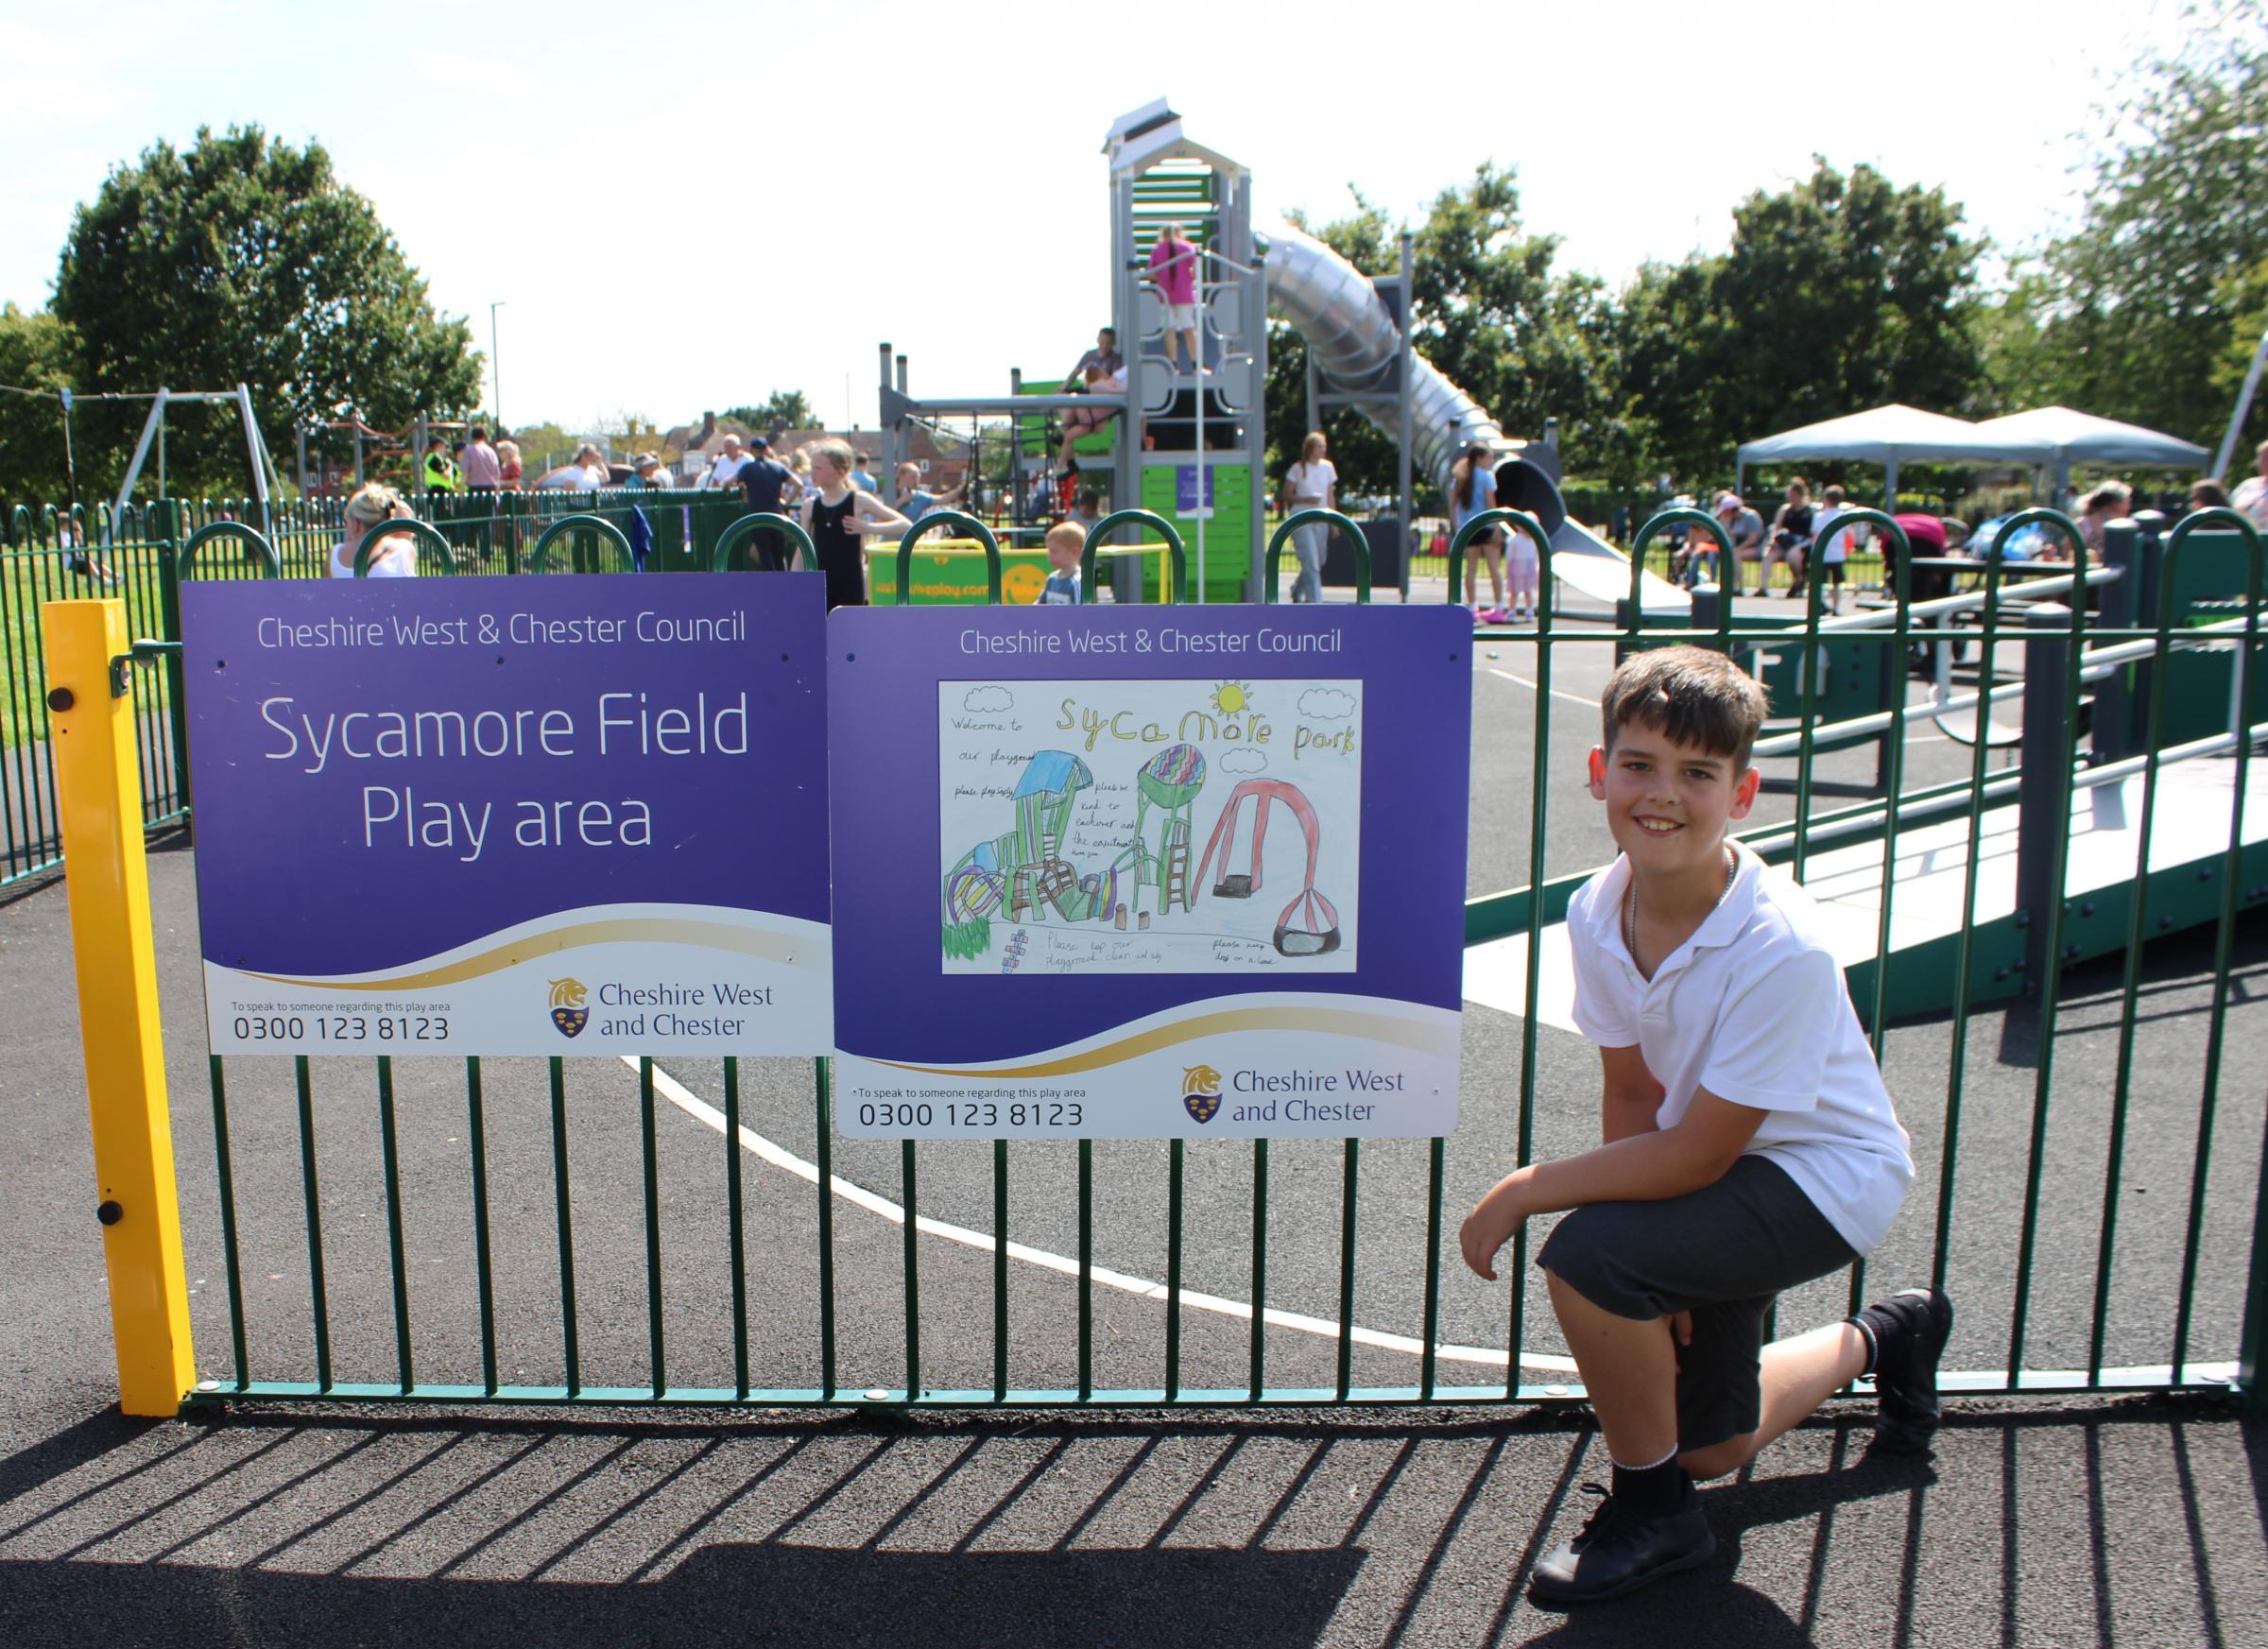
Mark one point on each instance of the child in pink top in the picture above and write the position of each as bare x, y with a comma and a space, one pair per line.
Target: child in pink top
1173, 273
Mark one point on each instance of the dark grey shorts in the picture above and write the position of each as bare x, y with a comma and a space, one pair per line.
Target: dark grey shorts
1723, 1253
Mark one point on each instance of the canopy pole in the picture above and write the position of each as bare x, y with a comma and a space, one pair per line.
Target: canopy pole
1890, 484
2236, 419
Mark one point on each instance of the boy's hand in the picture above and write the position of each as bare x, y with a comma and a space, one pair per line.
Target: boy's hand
1489, 1228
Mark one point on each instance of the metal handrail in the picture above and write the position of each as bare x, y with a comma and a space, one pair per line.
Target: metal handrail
953, 518
540, 551
423, 534
1177, 592
745, 529
264, 553
1475, 526
2096, 663
1316, 518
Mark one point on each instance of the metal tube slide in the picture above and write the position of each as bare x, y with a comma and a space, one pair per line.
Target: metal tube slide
1351, 336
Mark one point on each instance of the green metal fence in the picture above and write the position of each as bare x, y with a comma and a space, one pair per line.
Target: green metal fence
440, 1207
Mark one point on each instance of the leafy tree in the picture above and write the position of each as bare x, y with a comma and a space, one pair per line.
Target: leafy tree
243, 259
2138, 311
781, 409
37, 352
541, 441
1837, 295
1489, 311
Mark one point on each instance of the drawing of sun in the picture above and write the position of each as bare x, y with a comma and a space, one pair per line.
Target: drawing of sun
1233, 698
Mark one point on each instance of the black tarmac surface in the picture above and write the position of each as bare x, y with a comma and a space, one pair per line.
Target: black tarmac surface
2134, 1521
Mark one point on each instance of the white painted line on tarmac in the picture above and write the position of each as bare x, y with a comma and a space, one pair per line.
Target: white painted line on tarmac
1570, 697
781, 1157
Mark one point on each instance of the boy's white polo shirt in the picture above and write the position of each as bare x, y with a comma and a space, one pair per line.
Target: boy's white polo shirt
1753, 1008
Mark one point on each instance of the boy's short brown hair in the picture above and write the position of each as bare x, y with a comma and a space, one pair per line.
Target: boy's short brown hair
1066, 535
1690, 695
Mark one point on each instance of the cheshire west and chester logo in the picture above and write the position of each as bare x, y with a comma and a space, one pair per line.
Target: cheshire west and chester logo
568, 1014
1201, 1092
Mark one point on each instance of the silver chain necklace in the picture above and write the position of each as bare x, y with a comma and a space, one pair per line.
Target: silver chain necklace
1733, 866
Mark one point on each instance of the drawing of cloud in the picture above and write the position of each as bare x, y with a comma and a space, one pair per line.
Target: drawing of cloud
1244, 759
1325, 704
983, 699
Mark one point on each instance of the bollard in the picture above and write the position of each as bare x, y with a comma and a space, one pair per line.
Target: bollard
2117, 726
98, 791
2043, 797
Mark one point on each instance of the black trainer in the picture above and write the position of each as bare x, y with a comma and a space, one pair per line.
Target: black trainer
1621, 1549
1905, 1365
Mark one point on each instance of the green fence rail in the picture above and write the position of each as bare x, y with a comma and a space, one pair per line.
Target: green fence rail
447, 1296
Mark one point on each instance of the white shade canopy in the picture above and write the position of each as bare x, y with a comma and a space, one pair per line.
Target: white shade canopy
2081, 437
1893, 435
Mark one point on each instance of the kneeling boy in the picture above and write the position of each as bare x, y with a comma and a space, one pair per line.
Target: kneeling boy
1750, 1145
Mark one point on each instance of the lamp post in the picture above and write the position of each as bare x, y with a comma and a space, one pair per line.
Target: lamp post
495, 369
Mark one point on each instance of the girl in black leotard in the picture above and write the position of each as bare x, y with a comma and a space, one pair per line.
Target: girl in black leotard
837, 517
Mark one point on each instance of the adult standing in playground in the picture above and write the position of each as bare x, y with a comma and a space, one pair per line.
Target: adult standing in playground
861, 477
1173, 273
770, 486
483, 467
726, 471
394, 556
1312, 483
1473, 491
841, 518
440, 469
2252, 492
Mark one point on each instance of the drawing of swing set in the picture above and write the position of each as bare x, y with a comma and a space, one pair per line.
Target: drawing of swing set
1025, 875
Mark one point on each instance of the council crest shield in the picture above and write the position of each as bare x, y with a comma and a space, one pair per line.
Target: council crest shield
1201, 1093
568, 1013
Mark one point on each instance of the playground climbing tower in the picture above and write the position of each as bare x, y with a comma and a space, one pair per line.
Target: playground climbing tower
1195, 444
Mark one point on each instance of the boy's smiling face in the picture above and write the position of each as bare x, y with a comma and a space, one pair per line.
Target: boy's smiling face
1668, 803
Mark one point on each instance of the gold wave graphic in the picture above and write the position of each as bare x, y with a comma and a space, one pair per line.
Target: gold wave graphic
772, 947
1378, 1027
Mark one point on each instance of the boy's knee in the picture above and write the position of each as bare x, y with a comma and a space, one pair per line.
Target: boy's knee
1719, 1458
1575, 1256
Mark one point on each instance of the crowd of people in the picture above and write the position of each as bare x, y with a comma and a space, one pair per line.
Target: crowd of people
828, 487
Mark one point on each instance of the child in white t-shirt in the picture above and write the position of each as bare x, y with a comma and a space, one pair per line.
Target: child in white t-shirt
1750, 1144
1312, 483
1833, 548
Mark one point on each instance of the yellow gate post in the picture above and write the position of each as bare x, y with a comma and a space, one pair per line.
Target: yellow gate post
98, 790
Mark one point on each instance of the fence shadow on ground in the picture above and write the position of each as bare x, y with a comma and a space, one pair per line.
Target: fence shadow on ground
324, 1529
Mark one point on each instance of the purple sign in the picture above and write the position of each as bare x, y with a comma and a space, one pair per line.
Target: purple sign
511, 816
1135, 872
1185, 489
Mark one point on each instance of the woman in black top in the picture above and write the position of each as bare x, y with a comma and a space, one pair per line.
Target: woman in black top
837, 516
1790, 539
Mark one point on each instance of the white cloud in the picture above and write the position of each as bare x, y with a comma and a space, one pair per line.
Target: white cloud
1244, 759
983, 700
1325, 704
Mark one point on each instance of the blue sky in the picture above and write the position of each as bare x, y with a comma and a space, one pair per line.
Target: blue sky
814, 179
